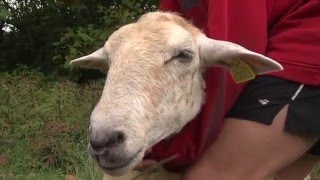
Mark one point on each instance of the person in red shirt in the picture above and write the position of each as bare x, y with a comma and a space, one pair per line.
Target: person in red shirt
270, 125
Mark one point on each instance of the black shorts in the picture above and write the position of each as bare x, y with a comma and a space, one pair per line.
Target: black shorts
265, 96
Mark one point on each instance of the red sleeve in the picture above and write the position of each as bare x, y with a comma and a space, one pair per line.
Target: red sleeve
169, 5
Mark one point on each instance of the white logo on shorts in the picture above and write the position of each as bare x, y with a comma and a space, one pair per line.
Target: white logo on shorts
264, 101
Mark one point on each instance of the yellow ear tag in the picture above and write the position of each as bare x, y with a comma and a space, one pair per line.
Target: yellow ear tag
241, 71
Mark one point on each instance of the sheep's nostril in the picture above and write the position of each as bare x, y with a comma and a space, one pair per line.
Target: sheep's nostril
107, 142
96, 144
116, 138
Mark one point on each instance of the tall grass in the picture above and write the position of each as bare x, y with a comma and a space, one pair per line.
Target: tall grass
43, 126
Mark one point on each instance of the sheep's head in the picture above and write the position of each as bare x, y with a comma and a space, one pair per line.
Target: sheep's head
154, 85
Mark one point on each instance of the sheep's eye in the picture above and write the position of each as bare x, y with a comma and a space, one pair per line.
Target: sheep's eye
184, 56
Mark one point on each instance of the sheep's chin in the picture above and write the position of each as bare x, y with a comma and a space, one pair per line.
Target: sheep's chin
126, 167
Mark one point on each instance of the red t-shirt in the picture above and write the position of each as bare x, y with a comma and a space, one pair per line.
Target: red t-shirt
286, 30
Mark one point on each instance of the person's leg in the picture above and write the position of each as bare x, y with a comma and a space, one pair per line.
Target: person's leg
247, 150
299, 169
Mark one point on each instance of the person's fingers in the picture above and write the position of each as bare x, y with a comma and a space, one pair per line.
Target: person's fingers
148, 151
145, 164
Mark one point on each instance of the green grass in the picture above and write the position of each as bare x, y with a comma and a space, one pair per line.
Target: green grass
43, 127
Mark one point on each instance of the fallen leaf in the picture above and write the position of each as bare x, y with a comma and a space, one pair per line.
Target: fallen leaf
6, 125
71, 177
3, 160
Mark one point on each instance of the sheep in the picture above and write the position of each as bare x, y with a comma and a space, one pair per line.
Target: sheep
154, 85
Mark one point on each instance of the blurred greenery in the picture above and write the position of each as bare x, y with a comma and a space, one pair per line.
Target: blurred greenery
4, 13
47, 34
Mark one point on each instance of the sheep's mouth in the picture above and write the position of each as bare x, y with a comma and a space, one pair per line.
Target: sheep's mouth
118, 166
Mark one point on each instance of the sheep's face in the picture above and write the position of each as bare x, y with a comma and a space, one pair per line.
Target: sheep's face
153, 87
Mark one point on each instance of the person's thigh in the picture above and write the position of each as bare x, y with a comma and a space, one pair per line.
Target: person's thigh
299, 169
250, 150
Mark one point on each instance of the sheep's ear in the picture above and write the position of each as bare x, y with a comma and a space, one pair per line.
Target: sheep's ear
235, 58
96, 60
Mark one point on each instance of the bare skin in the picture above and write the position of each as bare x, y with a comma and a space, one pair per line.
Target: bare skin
252, 151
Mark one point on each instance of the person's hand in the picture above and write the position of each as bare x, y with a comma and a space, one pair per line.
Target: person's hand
145, 163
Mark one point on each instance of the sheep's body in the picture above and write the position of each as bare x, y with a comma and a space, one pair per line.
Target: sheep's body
154, 85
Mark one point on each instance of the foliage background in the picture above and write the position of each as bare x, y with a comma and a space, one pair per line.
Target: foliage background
46, 34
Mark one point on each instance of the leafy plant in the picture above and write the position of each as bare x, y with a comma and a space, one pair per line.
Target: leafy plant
47, 34
4, 13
